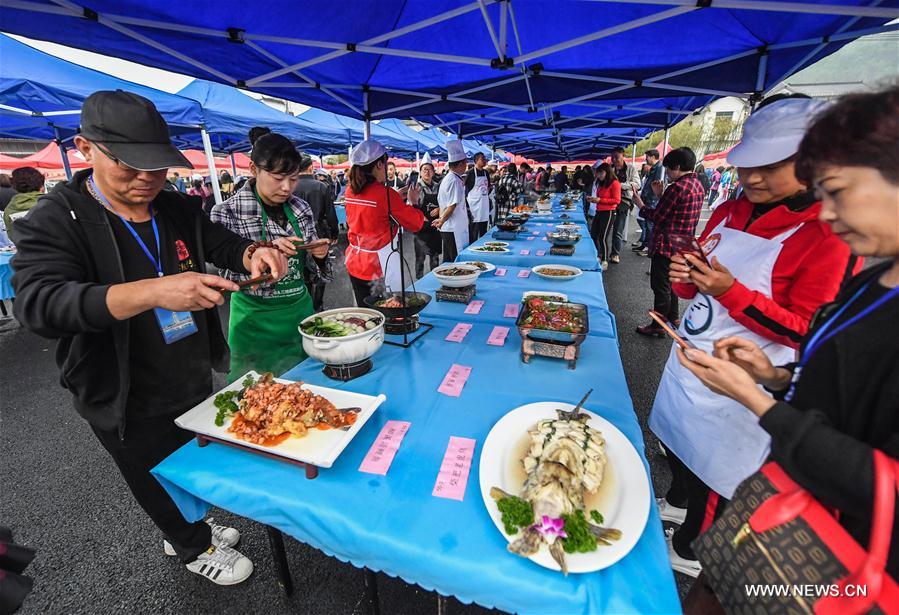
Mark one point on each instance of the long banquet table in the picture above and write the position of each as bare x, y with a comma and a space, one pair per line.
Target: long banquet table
6, 289
392, 523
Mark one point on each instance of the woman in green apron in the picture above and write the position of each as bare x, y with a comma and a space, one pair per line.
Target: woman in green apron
263, 331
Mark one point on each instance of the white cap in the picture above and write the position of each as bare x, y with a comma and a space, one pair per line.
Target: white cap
367, 152
426, 159
773, 133
455, 151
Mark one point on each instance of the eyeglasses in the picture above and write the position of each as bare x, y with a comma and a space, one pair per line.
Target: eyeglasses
117, 162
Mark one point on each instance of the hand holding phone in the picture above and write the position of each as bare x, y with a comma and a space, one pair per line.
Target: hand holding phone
688, 244
670, 330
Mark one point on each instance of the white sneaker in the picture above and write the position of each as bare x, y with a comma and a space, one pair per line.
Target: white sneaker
689, 567
222, 536
670, 513
662, 450
605, 265
222, 566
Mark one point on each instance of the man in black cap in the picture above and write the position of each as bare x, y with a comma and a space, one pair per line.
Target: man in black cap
112, 266
320, 197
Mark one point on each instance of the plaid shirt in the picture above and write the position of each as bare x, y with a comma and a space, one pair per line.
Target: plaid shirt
508, 189
242, 214
677, 213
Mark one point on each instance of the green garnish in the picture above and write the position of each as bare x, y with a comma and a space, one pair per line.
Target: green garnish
597, 517
516, 513
579, 539
320, 327
227, 402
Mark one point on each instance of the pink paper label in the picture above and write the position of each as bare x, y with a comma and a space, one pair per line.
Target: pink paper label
459, 332
384, 448
511, 310
454, 380
524, 273
453, 476
474, 307
500, 271
498, 336
535, 233
525, 252
531, 238
541, 252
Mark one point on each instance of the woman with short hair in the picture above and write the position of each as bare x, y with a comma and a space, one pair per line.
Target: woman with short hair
28, 183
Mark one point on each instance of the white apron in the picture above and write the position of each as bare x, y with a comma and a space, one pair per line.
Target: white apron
715, 436
390, 265
479, 200
460, 228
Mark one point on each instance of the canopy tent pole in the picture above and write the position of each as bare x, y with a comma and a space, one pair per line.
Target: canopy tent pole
62, 153
665, 147
367, 114
417, 162
233, 167
210, 159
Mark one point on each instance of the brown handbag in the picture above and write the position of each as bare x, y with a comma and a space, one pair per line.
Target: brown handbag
775, 549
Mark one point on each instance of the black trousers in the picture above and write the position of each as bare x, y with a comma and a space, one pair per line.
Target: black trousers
361, 290
703, 505
449, 247
665, 301
599, 231
424, 252
148, 442
476, 230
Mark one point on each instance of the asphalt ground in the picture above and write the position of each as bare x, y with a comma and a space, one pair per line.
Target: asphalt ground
97, 552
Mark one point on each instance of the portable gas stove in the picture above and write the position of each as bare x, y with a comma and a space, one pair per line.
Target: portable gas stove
398, 326
569, 351
459, 295
348, 371
562, 250
500, 234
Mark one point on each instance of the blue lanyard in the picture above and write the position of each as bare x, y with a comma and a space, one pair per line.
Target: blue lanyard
822, 335
157, 263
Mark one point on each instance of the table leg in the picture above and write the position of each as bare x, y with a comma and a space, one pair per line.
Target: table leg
372, 605
282, 568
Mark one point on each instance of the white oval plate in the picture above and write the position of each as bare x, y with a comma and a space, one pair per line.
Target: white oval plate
625, 507
489, 266
494, 251
538, 268
497, 244
543, 293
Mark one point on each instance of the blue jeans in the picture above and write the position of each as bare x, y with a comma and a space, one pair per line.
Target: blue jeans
644, 230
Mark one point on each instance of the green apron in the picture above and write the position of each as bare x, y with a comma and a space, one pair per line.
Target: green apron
264, 331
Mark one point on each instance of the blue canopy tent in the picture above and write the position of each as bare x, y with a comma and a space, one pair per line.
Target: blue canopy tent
41, 96
351, 131
229, 114
428, 143
475, 67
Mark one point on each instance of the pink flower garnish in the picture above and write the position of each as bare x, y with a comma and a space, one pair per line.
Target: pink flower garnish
551, 528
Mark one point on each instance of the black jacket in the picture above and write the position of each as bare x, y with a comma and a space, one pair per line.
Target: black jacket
846, 403
321, 199
66, 261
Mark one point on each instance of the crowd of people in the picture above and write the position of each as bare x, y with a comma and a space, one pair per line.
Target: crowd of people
790, 347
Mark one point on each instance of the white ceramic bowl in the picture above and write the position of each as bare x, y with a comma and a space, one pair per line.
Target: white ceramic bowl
349, 348
457, 281
575, 272
544, 293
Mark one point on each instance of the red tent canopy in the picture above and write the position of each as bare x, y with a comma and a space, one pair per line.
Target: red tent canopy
342, 166
241, 161
8, 163
716, 159
402, 164
50, 158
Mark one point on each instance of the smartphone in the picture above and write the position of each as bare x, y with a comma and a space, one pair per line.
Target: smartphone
413, 178
688, 244
670, 330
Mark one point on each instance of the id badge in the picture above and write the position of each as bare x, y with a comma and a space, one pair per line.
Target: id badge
175, 325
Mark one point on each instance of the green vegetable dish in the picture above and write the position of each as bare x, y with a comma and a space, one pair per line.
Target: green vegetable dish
227, 403
340, 325
516, 513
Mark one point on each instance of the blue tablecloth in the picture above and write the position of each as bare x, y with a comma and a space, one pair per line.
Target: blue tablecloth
341, 214
573, 215
6, 290
584, 257
497, 291
392, 523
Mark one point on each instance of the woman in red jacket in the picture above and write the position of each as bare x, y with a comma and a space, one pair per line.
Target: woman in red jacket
606, 195
372, 254
772, 264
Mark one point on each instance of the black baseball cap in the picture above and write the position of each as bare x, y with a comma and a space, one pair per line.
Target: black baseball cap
130, 128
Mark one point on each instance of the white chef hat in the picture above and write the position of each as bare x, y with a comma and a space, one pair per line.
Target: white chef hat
426, 159
456, 151
773, 133
367, 152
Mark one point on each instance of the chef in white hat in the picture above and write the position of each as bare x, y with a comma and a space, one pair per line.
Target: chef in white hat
373, 254
453, 220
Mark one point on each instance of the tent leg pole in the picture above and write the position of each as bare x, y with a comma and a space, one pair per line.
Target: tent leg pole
233, 167
210, 160
63, 155
665, 149
417, 162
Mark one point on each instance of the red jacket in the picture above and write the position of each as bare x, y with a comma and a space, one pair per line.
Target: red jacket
808, 272
608, 197
369, 229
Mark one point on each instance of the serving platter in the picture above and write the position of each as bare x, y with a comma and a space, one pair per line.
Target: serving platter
575, 272
623, 498
318, 448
